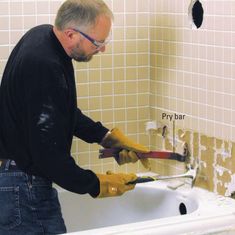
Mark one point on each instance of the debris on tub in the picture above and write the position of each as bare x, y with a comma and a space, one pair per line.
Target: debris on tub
230, 187
233, 195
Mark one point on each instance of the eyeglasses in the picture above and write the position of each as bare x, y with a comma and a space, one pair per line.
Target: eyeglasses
93, 41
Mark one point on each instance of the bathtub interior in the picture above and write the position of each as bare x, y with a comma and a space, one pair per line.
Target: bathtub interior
81, 212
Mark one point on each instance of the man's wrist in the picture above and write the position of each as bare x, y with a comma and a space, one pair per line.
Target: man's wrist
105, 138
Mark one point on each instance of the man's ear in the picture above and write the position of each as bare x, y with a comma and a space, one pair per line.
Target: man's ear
70, 33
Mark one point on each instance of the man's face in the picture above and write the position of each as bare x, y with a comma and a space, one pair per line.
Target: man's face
93, 42
78, 54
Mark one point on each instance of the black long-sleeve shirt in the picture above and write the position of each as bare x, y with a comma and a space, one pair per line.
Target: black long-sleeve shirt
39, 114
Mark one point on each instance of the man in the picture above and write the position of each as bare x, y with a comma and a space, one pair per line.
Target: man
39, 116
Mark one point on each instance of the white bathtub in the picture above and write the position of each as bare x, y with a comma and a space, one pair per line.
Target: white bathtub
151, 208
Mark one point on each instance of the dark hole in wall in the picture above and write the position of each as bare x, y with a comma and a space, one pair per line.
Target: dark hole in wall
197, 14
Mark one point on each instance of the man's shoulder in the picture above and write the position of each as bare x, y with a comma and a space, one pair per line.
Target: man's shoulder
40, 28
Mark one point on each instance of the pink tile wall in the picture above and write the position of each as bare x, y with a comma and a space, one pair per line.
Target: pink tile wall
193, 71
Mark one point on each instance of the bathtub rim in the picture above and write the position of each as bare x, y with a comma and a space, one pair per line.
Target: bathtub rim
176, 226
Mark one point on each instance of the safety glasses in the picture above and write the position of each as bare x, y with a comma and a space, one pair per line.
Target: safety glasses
97, 44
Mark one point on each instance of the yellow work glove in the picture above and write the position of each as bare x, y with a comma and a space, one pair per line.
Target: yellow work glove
116, 139
112, 185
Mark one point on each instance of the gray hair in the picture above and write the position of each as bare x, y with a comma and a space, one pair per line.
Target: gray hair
81, 13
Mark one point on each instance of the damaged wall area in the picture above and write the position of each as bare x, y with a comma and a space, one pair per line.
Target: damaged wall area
215, 156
